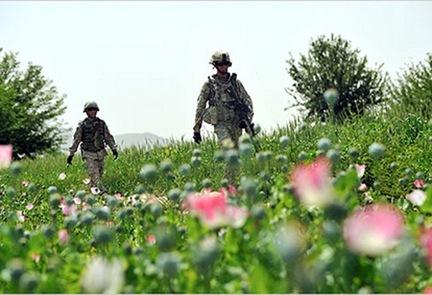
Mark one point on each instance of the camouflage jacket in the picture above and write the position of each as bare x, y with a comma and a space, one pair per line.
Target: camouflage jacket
214, 93
93, 134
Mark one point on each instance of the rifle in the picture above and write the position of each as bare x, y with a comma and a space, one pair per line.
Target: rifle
242, 110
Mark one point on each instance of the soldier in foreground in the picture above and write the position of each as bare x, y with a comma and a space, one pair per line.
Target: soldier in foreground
93, 134
229, 105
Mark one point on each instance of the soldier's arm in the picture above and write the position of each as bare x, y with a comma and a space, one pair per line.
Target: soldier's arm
201, 105
245, 97
76, 140
109, 139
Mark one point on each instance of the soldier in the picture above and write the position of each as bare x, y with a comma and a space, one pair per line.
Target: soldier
93, 134
224, 93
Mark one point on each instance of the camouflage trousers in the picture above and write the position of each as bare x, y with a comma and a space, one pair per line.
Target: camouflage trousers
94, 162
226, 131
229, 132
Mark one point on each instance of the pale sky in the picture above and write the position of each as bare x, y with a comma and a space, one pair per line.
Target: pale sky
145, 62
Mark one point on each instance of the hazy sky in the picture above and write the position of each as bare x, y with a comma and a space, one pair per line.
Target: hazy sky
145, 62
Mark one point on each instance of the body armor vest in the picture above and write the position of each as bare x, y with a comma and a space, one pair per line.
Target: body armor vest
92, 135
222, 97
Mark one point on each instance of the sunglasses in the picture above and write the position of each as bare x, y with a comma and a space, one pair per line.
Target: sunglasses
224, 63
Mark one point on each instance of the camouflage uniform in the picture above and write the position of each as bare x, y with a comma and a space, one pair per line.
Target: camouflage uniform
93, 134
220, 113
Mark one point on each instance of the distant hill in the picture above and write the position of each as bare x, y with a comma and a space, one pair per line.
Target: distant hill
146, 140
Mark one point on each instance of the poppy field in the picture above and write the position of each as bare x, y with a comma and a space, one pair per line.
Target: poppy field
314, 208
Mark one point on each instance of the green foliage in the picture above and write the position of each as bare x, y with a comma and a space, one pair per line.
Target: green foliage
333, 63
412, 92
29, 108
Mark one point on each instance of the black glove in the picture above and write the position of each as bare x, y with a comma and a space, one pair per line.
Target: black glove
69, 160
242, 124
197, 137
115, 153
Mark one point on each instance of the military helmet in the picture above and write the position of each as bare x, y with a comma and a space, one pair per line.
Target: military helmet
220, 57
90, 105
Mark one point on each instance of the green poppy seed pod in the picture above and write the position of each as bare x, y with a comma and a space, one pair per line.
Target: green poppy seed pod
168, 264
15, 168
174, 194
232, 157
54, 200
111, 201
408, 172
189, 187
185, 169
69, 201
196, 153
52, 190
353, 153
224, 183
48, 231
245, 138
403, 181
16, 269
156, 209
333, 155
90, 199
265, 176
257, 212
261, 158
80, 194
102, 234
208, 251
10, 192
331, 96
257, 128
419, 175
32, 188
302, 156
246, 149
70, 221
335, 211
331, 230
281, 159
393, 165
324, 144
102, 213
249, 186
206, 183
87, 218
376, 150
28, 282
219, 156
148, 172
284, 141
166, 166
195, 161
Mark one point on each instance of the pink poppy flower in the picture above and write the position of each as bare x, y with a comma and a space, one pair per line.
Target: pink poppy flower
35, 257
419, 183
312, 183
374, 229
151, 239
417, 197
62, 176
213, 210
20, 216
77, 200
360, 170
5, 156
427, 290
63, 236
362, 187
426, 243
29, 206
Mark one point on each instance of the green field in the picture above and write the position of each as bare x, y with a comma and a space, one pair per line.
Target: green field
263, 255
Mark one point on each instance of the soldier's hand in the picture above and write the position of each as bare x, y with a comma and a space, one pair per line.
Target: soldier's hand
242, 124
115, 153
197, 137
69, 160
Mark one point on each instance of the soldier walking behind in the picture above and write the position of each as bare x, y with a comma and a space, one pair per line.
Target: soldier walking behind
224, 93
93, 134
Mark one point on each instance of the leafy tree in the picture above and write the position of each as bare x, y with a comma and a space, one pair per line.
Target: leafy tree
333, 63
29, 108
412, 91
